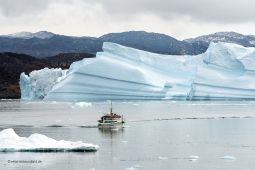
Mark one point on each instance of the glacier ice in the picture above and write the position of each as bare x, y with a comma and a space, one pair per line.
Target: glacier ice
39, 82
224, 71
11, 142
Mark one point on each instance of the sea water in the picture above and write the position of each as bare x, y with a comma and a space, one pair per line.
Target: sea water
158, 135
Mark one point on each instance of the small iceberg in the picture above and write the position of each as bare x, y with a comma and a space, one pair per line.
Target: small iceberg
83, 104
131, 168
11, 142
227, 157
162, 158
137, 166
193, 158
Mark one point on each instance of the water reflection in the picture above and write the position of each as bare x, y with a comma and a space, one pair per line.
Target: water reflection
111, 131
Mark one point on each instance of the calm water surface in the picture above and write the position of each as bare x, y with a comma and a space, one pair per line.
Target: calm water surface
158, 135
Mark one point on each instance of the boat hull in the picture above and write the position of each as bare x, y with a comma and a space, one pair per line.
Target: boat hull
113, 124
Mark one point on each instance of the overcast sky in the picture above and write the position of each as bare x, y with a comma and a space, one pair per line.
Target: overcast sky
179, 18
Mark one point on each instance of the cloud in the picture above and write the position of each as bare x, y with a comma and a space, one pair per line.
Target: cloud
19, 8
228, 11
178, 18
13, 8
205, 10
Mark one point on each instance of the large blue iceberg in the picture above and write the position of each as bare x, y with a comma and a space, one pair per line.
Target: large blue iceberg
224, 72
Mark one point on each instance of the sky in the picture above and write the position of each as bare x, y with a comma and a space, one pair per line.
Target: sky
178, 18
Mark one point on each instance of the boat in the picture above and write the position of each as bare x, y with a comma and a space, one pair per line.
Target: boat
111, 119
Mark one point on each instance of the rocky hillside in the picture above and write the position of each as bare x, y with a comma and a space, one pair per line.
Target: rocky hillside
12, 64
42, 44
202, 42
153, 42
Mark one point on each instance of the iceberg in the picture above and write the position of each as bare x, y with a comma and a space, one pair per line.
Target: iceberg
11, 142
224, 72
227, 157
38, 83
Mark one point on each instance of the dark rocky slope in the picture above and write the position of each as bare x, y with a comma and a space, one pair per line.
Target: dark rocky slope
12, 64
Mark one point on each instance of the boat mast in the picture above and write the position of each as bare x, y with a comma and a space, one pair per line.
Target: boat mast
111, 108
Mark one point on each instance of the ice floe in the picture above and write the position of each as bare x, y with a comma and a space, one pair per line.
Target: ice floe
11, 142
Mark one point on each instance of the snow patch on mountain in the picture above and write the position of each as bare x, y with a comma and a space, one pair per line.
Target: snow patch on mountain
228, 37
28, 35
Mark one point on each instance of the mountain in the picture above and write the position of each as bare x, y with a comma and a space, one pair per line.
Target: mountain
202, 42
64, 60
28, 35
43, 44
153, 42
67, 49
12, 64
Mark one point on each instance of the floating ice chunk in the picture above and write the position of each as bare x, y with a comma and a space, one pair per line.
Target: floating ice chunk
162, 157
58, 121
137, 166
83, 104
193, 158
11, 142
228, 157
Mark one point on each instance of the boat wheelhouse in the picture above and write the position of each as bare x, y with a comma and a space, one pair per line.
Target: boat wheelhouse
111, 119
